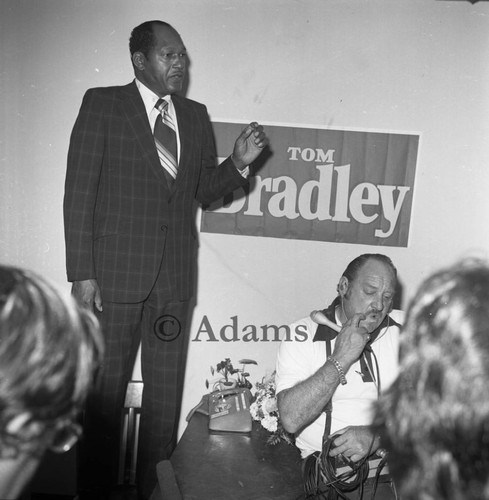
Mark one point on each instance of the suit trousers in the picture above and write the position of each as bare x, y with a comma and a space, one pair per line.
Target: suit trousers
160, 324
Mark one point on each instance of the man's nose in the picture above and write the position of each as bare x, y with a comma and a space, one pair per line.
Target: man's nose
378, 303
179, 61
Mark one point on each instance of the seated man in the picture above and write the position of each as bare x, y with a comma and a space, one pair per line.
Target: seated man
434, 420
49, 351
343, 373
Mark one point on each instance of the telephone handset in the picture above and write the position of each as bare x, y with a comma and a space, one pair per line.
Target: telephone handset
320, 318
229, 410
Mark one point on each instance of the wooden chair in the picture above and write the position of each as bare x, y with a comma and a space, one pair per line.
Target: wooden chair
130, 432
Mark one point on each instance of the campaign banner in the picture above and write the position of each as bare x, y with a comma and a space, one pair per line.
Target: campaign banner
339, 186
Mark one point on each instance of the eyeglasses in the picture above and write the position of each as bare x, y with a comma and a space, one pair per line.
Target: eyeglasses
59, 439
65, 437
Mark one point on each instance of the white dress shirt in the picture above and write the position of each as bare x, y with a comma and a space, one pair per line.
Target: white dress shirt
149, 100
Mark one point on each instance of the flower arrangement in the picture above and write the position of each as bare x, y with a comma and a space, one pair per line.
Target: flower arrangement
265, 410
226, 369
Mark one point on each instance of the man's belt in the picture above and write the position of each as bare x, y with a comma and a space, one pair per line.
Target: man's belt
373, 464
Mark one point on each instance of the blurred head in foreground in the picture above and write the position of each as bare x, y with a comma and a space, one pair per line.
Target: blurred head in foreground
434, 420
50, 350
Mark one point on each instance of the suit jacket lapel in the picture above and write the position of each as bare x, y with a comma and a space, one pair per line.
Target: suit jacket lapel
185, 133
136, 115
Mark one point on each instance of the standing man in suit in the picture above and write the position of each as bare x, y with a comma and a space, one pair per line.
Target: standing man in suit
131, 241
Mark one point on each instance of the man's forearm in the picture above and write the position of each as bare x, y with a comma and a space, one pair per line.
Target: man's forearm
303, 403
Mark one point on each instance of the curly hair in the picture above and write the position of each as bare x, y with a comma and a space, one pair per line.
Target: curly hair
50, 351
434, 420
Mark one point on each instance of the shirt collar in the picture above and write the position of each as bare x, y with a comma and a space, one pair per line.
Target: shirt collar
149, 97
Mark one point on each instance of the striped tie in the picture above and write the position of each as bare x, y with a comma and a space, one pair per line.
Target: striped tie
166, 140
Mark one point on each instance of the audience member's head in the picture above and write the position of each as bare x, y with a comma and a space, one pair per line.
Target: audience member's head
49, 353
434, 420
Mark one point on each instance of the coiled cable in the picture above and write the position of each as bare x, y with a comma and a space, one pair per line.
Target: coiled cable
321, 481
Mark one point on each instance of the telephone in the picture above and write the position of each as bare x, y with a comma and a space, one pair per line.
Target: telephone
229, 410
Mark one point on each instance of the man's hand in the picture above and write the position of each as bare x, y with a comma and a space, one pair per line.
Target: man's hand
249, 145
87, 293
350, 342
354, 443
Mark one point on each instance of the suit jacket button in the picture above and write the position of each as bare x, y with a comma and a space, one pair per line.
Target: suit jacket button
163, 228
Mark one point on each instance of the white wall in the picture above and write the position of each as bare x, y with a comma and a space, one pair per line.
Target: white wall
395, 65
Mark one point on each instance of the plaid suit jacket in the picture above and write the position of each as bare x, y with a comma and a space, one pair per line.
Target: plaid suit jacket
120, 215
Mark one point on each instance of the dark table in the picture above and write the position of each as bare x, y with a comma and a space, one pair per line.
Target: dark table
235, 466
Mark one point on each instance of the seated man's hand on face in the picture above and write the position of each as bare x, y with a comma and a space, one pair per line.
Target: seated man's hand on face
351, 341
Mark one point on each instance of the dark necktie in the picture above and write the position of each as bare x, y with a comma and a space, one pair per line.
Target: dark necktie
166, 140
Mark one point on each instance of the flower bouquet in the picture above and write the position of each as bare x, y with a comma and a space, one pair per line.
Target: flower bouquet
227, 370
264, 410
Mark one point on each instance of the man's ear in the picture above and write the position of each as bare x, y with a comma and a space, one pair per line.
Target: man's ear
138, 60
343, 286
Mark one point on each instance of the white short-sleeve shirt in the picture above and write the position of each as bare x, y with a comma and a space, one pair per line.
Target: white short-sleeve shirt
300, 357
